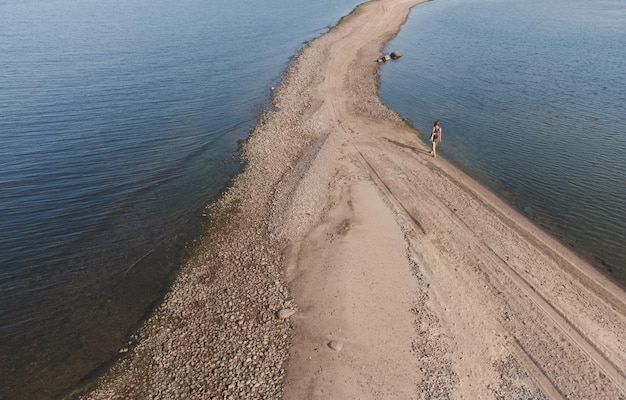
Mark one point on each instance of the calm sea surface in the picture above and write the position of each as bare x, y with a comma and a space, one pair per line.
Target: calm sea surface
532, 100
119, 120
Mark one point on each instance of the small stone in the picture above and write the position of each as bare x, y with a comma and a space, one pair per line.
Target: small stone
285, 313
335, 345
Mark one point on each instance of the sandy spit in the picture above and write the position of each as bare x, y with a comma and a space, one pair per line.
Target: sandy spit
347, 263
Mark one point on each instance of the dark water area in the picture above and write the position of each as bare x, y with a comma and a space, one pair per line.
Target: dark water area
119, 122
532, 100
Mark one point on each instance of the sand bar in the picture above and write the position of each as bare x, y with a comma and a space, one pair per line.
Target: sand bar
407, 278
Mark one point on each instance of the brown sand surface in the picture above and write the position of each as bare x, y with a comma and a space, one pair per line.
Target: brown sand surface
407, 278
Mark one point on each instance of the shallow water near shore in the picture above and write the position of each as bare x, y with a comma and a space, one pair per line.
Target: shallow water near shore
119, 121
532, 100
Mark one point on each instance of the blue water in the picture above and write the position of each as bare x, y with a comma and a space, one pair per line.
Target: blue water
119, 121
532, 100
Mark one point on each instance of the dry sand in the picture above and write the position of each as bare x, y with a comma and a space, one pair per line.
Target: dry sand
409, 280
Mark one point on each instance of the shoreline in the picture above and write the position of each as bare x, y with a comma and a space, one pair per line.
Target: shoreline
408, 279
598, 264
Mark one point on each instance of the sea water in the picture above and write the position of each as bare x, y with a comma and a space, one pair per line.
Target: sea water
119, 121
532, 100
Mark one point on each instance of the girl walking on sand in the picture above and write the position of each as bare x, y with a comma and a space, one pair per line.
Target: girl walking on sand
435, 137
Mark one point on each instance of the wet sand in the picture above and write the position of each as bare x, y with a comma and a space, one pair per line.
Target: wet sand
408, 279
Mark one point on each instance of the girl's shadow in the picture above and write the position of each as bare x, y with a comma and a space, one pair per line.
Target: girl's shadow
406, 146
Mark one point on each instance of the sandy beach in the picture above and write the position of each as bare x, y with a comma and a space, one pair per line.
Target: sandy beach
346, 262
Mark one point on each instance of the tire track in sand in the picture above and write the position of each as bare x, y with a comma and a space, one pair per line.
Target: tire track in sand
555, 317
